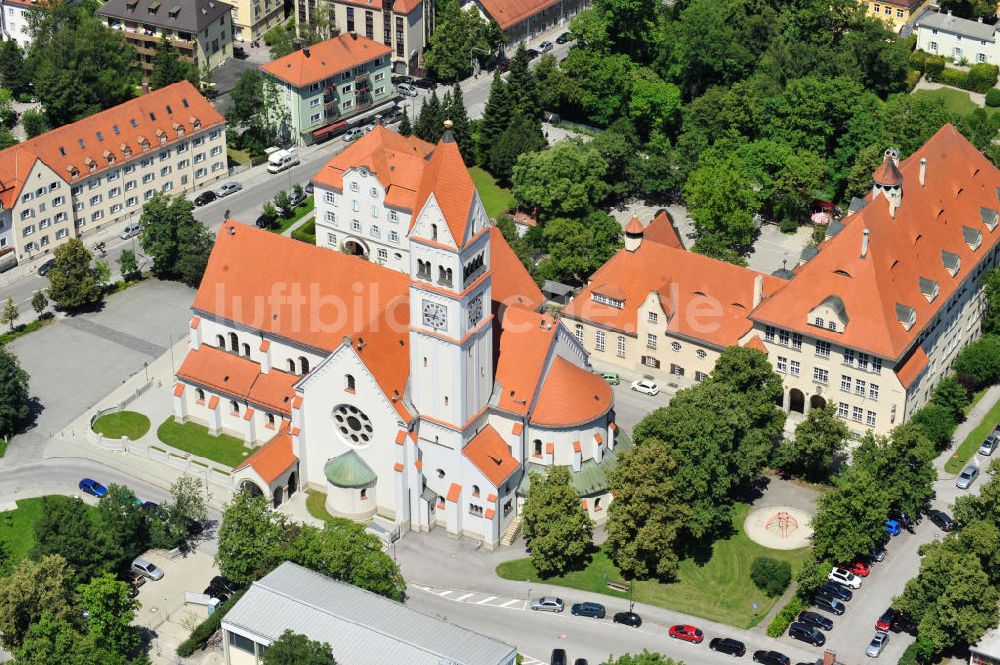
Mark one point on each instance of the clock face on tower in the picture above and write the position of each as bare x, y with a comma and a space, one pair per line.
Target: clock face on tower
435, 315
475, 310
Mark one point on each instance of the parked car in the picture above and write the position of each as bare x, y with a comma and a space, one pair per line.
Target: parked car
563, 38
646, 387
904, 623
892, 528
44, 269
904, 520
547, 604
686, 633
580, 661
406, 89
353, 134
595, 610
308, 189
401, 78
93, 488
837, 590
845, 577
770, 658
815, 619
875, 647
205, 197
392, 117
990, 444
532, 54
612, 378
130, 231
146, 569
297, 199
967, 477
426, 83
227, 188
808, 634
264, 222
155, 510
627, 619
545, 47
558, 657
728, 645
828, 604
858, 567
221, 588
878, 553
941, 519
884, 622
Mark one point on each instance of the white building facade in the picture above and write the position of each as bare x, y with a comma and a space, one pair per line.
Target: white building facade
957, 38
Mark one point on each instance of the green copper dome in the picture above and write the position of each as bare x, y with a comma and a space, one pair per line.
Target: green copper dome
349, 471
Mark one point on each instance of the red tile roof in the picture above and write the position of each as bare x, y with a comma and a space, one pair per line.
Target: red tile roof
238, 377
508, 13
105, 134
570, 396
323, 60
888, 173
398, 7
912, 367
384, 348
491, 455
934, 220
661, 230
525, 341
178, 390
755, 343
634, 226
447, 179
454, 492
272, 459
511, 284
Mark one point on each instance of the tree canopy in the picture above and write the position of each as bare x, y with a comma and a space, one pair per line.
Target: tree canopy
558, 531
178, 243
297, 649
15, 400
73, 281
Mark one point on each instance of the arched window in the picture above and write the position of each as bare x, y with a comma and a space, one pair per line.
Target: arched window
220, 341
597, 505
246, 349
234, 342
537, 443
364, 494
235, 407
291, 366
349, 382
475, 490
270, 420
199, 394
304, 364
434, 231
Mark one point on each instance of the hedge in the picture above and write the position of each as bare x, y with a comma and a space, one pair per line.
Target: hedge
980, 78
788, 614
913, 78
203, 632
933, 66
993, 97
918, 60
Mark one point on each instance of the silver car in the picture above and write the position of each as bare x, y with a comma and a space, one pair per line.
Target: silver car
990, 444
227, 188
147, 569
967, 477
406, 90
877, 644
547, 604
353, 134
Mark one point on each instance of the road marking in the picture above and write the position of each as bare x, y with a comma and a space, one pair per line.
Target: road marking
486, 600
461, 599
443, 594
509, 603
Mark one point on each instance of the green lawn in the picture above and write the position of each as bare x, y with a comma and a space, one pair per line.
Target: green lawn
496, 199
719, 590
973, 441
316, 505
195, 439
123, 423
17, 527
956, 101
306, 232
301, 211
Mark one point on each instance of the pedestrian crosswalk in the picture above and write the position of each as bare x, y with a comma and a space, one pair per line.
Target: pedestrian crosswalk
528, 660
476, 598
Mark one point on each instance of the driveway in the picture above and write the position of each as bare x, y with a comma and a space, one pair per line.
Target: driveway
774, 250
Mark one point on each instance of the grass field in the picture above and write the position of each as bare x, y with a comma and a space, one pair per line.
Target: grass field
956, 101
306, 232
316, 505
281, 225
17, 527
496, 199
973, 441
719, 590
123, 423
195, 439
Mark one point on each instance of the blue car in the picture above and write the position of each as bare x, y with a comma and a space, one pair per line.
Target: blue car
93, 487
892, 527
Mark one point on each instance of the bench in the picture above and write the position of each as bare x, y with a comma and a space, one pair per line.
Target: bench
618, 586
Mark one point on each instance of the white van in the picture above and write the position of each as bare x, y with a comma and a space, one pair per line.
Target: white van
282, 159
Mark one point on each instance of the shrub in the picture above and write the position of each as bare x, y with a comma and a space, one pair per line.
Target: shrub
933, 66
788, 226
204, 631
918, 60
912, 79
788, 614
982, 77
951, 394
936, 423
954, 77
993, 97
978, 364
771, 576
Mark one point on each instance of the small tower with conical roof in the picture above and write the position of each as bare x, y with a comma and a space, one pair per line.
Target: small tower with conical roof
633, 234
888, 181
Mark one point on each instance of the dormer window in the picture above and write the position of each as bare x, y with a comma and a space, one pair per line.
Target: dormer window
126, 151
607, 300
73, 171
195, 122
989, 217
952, 262
972, 237
929, 288
907, 316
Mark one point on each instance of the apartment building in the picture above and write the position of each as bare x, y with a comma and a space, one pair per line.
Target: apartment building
521, 20
403, 25
99, 170
252, 18
201, 31
14, 20
326, 85
957, 38
895, 13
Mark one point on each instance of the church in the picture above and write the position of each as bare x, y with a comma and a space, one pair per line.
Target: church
421, 383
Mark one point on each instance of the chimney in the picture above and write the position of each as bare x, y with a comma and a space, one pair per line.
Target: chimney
829, 657
758, 290
354, 35
305, 51
378, 118
864, 244
923, 170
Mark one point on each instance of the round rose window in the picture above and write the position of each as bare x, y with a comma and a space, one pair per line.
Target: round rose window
353, 424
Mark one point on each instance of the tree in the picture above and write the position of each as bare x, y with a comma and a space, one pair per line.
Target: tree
123, 522
813, 574
559, 533
127, 263
13, 72
65, 528
80, 66
457, 38
722, 202
850, 518
644, 658
246, 98
459, 117
646, 516
56, 641
34, 123
283, 204
168, 67
936, 422
951, 394
251, 538
578, 247
39, 302
15, 402
187, 502
297, 649
817, 441
10, 313
177, 242
522, 85
523, 135
496, 118
978, 364
345, 551
567, 180
971, 9
429, 125
102, 274
654, 103
72, 283
771, 576
405, 128
991, 294
110, 612
33, 587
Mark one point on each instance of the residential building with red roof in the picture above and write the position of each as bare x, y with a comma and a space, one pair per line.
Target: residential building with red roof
523, 19
99, 170
322, 88
404, 26
420, 392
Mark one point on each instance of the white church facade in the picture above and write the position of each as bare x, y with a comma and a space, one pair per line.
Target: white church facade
423, 389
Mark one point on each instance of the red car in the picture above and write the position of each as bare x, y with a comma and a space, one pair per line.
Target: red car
859, 568
884, 622
687, 633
